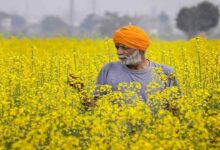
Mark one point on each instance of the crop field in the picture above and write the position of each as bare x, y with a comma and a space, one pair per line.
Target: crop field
40, 110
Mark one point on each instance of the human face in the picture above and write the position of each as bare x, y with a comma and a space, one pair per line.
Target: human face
128, 56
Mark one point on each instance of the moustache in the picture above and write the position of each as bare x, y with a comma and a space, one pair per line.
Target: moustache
122, 57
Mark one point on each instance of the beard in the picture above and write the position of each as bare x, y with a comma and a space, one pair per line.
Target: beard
133, 59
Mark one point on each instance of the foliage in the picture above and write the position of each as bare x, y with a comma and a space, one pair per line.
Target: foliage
198, 19
53, 25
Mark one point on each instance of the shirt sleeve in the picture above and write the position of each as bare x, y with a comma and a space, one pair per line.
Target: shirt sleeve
171, 78
101, 80
172, 81
102, 76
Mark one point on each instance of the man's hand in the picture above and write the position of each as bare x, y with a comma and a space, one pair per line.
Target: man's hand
75, 82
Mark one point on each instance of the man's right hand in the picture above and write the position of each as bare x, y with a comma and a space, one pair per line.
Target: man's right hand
75, 82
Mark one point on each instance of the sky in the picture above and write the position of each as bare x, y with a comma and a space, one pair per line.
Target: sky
37, 9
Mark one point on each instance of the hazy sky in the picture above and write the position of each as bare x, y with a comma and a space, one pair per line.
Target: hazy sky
36, 9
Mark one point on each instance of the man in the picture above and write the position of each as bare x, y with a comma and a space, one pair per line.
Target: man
131, 43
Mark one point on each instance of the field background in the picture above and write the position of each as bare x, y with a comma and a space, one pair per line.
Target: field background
39, 110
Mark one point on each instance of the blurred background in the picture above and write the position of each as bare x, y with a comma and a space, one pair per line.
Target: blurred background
161, 19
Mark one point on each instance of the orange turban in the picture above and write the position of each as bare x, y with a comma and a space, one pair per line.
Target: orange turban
132, 36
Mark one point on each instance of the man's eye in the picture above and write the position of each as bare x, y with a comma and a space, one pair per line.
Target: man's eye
122, 47
125, 48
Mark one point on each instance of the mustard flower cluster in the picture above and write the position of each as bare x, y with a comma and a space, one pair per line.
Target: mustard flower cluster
40, 110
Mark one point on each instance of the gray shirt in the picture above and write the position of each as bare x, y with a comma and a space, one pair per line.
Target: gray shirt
115, 73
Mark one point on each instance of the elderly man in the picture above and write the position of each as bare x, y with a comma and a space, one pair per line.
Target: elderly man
131, 43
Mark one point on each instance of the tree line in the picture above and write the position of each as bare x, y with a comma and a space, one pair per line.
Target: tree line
191, 21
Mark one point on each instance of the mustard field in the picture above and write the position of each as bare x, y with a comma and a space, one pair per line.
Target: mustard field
39, 110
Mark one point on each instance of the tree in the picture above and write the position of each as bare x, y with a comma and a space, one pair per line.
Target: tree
18, 24
105, 25
90, 24
4, 22
12, 24
52, 26
111, 21
198, 19
164, 26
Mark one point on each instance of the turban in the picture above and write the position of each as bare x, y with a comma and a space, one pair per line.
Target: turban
132, 36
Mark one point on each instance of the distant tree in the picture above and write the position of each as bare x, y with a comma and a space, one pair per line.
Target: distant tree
164, 28
90, 24
111, 21
4, 17
108, 23
53, 25
209, 16
12, 24
18, 24
163, 17
198, 19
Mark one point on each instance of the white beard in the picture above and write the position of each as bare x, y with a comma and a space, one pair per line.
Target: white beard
133, 59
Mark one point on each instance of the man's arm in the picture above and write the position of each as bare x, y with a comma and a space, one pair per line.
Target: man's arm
78, 84
172, 81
